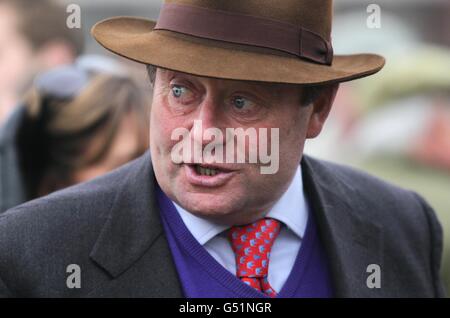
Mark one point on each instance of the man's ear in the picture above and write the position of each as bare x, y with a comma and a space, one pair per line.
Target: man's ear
321, 110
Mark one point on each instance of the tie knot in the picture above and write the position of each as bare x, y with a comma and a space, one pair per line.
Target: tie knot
251, 245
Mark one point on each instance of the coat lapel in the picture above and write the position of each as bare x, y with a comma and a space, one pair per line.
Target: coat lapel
352, 240
132, 244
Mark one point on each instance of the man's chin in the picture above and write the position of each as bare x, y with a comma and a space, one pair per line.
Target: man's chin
207, 205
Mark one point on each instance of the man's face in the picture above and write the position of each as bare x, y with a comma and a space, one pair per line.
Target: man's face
238, 192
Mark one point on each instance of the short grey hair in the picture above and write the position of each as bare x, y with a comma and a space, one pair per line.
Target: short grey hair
151, 72
309, 94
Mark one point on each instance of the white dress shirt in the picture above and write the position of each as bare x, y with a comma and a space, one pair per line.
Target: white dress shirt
291, 209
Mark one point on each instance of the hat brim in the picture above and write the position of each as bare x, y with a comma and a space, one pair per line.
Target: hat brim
134, 38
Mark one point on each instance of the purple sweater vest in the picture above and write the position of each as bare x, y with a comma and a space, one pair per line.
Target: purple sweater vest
201, 276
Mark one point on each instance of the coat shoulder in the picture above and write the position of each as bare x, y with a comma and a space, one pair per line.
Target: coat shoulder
400, 212
38, 239
411, 231
364, 187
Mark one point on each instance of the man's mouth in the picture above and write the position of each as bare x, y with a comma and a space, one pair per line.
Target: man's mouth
207, 175
209, 170
206, 171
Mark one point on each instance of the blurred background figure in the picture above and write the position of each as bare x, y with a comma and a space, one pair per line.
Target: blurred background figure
33, 38
76, 122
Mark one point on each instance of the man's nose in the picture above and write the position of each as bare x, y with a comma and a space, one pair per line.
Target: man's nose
210, 117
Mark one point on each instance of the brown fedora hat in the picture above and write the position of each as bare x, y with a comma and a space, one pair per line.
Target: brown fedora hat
282, 41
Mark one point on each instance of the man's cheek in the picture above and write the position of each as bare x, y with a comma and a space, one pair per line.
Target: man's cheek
161, 130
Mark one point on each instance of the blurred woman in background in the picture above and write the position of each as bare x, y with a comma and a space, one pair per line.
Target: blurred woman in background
74, 125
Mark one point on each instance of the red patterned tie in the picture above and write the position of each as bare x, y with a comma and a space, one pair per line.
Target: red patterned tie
251, 245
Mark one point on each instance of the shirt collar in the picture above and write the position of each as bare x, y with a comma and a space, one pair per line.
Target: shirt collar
291, 209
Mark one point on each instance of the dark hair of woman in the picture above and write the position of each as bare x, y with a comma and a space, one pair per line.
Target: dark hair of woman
61, 136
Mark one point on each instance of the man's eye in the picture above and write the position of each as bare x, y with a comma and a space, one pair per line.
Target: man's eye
241, 102
178, 91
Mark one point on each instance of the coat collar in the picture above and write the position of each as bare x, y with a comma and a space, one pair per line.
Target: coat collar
351, 240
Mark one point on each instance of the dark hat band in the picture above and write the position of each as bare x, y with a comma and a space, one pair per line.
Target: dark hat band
245, 29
